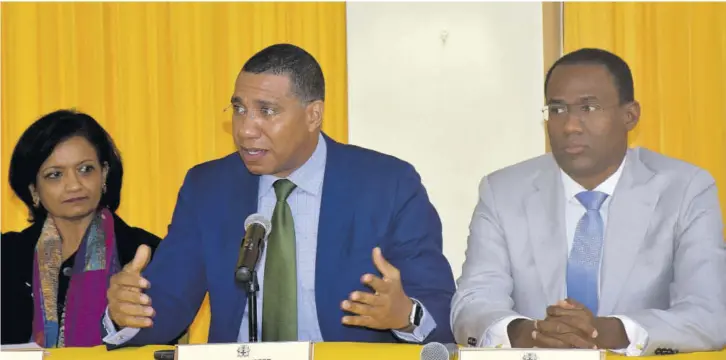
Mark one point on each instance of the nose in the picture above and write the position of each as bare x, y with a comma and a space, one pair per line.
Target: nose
573, 123
248, 128
72, 182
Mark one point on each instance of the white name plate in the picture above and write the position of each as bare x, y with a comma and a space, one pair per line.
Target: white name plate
21, 354
248, 351
470, 353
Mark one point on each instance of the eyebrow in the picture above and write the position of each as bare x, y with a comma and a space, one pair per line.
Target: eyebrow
555, 101
265, 103
589, 98
586, 98
260, 103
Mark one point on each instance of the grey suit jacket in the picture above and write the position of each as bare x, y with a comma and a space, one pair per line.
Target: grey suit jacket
664, 258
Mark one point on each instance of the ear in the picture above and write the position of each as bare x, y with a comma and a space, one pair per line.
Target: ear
104, 171
632, 115
34, 196
314, 115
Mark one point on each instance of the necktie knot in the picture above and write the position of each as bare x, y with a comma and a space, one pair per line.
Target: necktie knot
283, 188
591, 200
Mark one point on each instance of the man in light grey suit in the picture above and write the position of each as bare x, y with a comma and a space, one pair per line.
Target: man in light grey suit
595, 244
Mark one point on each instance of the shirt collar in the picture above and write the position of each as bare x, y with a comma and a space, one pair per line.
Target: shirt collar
308, 177
572, 188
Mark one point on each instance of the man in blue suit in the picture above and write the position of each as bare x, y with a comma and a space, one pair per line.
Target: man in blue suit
355, 250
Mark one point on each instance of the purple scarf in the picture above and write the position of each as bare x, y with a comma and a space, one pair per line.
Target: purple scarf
85, 302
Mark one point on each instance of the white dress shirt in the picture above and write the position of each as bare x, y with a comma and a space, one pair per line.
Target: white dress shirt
497, 335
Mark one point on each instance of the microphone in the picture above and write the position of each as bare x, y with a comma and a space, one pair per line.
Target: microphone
439, 351
256, 230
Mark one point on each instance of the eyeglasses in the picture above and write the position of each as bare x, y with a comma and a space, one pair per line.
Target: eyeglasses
262, 113
584, 111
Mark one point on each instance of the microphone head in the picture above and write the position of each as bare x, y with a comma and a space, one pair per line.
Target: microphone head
243, 275
438, 351
258, 219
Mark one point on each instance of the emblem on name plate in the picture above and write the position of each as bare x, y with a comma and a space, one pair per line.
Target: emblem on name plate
243, 351
529, 356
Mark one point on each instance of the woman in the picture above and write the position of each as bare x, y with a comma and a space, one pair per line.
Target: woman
67, 171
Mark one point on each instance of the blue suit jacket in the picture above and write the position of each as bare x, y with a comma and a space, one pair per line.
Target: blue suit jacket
369, 199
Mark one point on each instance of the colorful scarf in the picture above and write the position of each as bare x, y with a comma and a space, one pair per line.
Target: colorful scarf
85, 302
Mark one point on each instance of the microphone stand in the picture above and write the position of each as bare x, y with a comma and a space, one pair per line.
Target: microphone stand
252, 287
252, 248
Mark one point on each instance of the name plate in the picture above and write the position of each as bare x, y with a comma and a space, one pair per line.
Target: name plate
22, 354
249, 351
471, 353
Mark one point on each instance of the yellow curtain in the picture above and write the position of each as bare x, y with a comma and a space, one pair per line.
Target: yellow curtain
157, 76
677, 52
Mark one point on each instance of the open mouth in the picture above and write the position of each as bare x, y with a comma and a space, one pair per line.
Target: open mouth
252, 154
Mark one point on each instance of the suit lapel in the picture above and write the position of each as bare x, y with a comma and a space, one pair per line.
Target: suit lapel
629, 215
336, 214
545, 211
242, 202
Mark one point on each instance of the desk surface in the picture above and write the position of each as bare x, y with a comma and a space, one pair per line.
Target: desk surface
323, 351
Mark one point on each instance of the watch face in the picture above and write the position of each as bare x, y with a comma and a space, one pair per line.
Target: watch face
416, 314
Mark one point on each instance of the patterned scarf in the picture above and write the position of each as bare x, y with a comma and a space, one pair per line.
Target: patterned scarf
85, 302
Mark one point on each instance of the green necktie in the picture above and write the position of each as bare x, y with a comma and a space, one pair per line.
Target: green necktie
279, 294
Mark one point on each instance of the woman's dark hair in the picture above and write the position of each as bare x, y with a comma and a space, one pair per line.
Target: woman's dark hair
40, 139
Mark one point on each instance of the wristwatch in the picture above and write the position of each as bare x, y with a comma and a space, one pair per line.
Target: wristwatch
416, 313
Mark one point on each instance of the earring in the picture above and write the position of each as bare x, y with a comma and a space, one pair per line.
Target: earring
36, 201
104, 188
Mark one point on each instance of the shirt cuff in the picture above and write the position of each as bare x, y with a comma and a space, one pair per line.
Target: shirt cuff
637, 336
116, 337
419, 333
497, 335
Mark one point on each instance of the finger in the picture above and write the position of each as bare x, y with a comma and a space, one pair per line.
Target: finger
366, 298
574, 304
578, 319
365, 321
357, 308
133, 321
566, 340
134, 310
565, 305
578, 341
130, 280
387, 270
127, 295
376, 283
546, 341
581, 324
141, 259
554, 310
552, 327
566, 332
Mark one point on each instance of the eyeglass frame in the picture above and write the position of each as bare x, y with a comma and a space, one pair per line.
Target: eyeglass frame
250, 113
253, 111
579, 113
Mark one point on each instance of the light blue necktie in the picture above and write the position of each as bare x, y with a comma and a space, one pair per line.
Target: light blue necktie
583, 266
